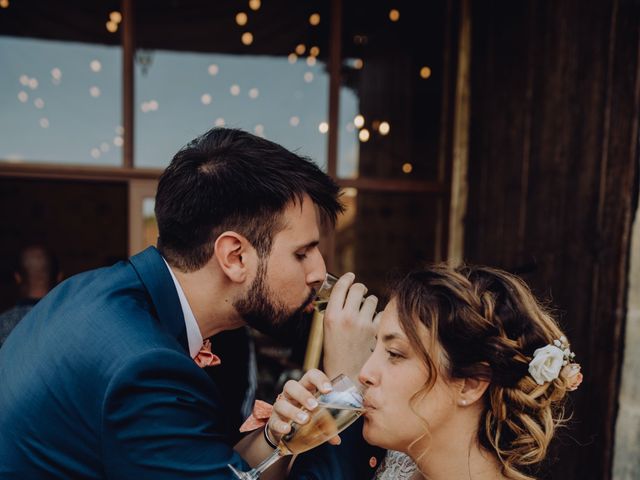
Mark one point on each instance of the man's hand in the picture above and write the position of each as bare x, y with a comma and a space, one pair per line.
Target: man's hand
349, 327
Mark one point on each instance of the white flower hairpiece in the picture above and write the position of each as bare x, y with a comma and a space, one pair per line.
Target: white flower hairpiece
548, 361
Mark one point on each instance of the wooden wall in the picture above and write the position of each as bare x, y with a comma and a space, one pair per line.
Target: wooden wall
553, 178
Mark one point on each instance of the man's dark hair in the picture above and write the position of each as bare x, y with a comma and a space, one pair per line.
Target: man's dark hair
228, 179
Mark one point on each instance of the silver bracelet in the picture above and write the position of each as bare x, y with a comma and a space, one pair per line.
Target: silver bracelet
268, 438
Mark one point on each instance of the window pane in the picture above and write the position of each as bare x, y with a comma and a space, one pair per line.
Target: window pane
392, 74
263, 86
60, 102
382, 235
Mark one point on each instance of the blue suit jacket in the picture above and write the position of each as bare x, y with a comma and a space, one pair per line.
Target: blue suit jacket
96, 382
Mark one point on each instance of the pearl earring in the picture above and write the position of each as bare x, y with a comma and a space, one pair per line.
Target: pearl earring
463, 403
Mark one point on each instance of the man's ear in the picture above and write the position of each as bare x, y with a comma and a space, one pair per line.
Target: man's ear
472, 390
234, 255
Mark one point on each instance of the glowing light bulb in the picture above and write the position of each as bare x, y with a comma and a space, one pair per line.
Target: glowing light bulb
241, 18
323, 127
364, 135
394, 15
407, 168
358, 121
247, 38
384, 128
425, 72
314, 19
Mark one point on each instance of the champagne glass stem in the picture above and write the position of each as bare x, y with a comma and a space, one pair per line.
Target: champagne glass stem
255, 473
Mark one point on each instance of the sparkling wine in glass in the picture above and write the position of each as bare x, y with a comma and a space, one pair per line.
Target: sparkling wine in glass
336, 410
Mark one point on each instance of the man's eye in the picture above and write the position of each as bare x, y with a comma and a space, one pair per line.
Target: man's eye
301, 256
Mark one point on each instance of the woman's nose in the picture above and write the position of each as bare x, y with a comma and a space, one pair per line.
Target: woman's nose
366, 375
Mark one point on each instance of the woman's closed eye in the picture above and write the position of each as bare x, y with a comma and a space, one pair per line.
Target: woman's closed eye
394, 355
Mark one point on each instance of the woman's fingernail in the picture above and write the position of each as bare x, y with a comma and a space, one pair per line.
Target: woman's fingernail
327, 387
312, 403
302, 417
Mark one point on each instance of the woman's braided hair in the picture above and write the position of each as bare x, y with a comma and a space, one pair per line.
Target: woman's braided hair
488, 324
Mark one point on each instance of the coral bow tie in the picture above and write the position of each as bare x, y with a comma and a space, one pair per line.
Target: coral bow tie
259, 417
205, 358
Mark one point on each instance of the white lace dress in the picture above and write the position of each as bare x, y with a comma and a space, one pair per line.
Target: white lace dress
396, 466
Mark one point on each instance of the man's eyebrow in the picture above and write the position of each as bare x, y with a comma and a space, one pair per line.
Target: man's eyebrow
311, 244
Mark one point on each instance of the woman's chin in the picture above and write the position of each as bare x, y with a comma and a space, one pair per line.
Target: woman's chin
372, 435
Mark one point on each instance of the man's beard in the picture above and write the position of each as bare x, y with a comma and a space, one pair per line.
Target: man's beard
259, 309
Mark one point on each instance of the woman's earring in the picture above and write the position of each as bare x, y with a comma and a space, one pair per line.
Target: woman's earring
463, 402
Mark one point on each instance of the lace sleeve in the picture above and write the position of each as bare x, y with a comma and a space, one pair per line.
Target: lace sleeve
395, 466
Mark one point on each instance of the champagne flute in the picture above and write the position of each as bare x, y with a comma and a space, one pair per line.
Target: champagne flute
336, 410
316, 334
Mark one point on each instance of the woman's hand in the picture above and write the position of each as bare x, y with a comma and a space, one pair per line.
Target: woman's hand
349, 327
295, 402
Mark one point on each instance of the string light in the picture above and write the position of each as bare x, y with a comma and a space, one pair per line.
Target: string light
23, 96
44, 122
407, 168
95, 66
247, 38
308, 77
425, 72
253, 93
314, 19
292, 58
358, 63
294, 121
314, 51
118, 141
112, 27
364, 135
213, 69
311, 61
38, 103
115, 17
323, 127
241, 18
219, 122
94, 91
235, 90
206, 99
4, 3
384, 128
254, 4
358, 121
394, 15
300, 49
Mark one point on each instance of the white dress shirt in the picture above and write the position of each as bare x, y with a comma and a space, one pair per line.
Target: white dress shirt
194, 337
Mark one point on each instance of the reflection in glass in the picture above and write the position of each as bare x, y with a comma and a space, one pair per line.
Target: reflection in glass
60, 102
392, 89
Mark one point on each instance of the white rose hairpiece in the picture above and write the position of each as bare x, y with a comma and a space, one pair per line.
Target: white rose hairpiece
553, 361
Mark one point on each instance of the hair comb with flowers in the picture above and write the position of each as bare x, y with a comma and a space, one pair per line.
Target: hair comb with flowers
555, 361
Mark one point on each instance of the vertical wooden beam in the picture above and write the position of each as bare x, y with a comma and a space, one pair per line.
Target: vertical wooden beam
128, 52
335, 62
459, 185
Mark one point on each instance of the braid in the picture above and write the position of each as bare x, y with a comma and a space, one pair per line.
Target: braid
522, 416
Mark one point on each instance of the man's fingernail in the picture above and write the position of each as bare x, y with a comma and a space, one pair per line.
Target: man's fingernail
302, 417
327, 387
312, 403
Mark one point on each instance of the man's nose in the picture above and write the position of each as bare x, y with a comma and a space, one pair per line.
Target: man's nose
318, 269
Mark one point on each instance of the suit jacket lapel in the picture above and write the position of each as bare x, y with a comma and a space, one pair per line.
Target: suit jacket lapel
157, 280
